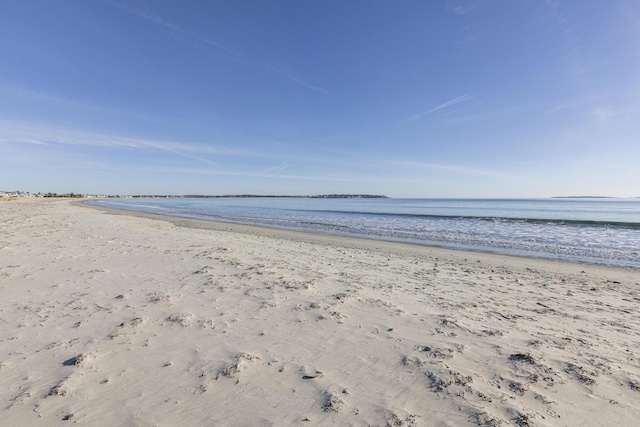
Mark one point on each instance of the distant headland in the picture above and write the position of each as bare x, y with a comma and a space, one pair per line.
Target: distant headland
583, 197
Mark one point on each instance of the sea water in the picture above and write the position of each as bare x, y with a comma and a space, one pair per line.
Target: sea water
604, 231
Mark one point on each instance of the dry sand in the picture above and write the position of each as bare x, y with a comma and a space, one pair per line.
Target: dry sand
112, 319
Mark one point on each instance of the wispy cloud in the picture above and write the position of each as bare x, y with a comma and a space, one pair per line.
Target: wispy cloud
604, 114
173, 27
458, 169
29, 133
210, 160
463, 7
246, 174
69, 102
177, 30
279, 167
619, 102
293, 78
450, 103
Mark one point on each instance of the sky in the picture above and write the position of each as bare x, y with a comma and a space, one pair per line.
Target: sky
439, 98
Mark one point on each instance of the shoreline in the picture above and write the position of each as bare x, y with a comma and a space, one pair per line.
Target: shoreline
115, 317
407, 247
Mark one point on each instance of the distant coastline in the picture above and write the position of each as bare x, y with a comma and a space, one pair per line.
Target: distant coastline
25, 194
584, 197
12, 195
269, 196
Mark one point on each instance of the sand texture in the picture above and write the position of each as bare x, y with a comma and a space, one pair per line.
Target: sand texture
117, 319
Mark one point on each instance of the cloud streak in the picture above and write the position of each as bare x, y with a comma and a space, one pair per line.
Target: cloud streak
27, 133
450, 103
176, 29
282, 166
245, 174
606, 113
464, 7
14, 134
67, 102
464, 170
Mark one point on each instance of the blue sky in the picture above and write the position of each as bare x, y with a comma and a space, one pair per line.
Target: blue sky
476, 98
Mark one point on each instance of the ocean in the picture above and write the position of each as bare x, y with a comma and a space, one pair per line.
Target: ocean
602, 231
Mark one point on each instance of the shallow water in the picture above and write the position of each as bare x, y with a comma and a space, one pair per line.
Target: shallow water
604, 231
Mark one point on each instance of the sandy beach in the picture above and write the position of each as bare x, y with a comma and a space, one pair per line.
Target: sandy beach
116, 318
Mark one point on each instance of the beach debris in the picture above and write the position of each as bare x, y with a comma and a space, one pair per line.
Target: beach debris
76, 360
313, 375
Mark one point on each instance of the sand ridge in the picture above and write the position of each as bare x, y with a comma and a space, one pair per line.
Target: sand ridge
130, 320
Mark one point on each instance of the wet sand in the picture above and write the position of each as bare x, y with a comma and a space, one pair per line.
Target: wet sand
122, 318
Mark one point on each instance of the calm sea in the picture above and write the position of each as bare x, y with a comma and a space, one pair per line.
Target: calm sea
604, 231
